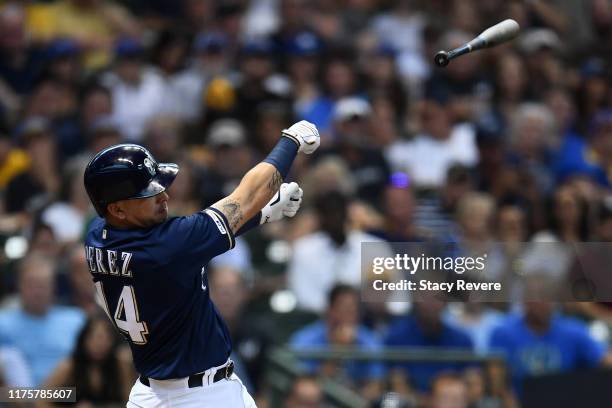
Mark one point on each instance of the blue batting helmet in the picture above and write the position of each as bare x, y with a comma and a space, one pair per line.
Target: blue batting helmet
125, 171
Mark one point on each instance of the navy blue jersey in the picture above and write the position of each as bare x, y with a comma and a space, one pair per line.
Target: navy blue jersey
153, 284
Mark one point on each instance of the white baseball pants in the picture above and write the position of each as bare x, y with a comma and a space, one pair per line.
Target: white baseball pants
228, 393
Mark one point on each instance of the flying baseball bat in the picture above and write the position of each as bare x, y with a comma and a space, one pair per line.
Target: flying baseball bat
492, 36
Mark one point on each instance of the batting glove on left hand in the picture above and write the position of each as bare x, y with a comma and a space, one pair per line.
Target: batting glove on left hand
305, 134
285, 203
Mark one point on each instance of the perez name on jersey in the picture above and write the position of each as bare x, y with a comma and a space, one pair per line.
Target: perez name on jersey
106, 261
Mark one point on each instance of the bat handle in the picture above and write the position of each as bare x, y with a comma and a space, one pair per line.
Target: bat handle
442, 58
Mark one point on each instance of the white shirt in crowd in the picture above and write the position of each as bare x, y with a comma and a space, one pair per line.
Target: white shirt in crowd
427, 160
134, 105
318, 264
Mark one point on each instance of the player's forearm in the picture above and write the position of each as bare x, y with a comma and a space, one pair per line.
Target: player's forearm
259, 185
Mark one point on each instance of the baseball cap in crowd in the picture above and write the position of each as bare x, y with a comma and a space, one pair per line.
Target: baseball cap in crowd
32, 126
303, 44
128, 48
602, 119
538, 39
226, 132
351, 108
257, 47
32, 129
213, 42
62, 48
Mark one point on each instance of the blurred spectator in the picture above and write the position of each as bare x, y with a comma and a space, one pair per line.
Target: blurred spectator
341, 327
429, 155
533, 137
40, 183
137, 90
162, 137
382, 78
434, 213
182, 191
449, 391
67, 216
593, 93
227, 140
541, 341
475, 216
98, 367
21, 64
96, 103
64, 61
94, 24
354, 142
542, 50
259, 82
510, 89
398, 204
403, 28
33, 326
477, 320
302, 52
328, 256
590, 159
588, 274
81, 288
14, 371
305, 392
56, 103
426, 328
339, 81
13, 161
183, 88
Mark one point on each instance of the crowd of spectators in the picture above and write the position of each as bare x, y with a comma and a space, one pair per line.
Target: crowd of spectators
511, 145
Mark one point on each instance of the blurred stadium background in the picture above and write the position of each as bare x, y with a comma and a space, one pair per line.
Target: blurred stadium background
512, 144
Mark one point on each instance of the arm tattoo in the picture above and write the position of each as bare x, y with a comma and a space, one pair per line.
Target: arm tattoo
275, 182
231, 209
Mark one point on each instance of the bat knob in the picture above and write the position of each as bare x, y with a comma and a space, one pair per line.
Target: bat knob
441, 59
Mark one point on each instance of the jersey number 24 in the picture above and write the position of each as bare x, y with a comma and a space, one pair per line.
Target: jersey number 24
126, 314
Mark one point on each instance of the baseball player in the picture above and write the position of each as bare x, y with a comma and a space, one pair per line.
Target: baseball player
150, 270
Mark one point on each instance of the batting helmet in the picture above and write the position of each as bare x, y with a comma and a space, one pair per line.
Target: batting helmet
125, 171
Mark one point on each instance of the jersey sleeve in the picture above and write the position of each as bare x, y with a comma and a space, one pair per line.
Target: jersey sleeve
203, 235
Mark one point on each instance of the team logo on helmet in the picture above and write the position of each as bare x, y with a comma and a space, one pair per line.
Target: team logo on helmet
149, 166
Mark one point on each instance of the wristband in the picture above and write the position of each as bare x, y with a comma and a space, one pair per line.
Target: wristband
282, 155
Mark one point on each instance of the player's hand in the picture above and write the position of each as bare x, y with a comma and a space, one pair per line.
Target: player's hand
285, 203
305, 134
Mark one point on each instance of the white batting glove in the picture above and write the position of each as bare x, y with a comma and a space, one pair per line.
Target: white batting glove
305, 134
285, 203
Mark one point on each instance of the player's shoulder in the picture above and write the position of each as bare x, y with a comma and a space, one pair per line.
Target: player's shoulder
95, 224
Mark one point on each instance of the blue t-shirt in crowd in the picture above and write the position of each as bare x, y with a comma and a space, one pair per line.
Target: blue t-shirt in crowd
575, 159
406, 331
316, 335
566, 346
43, 340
